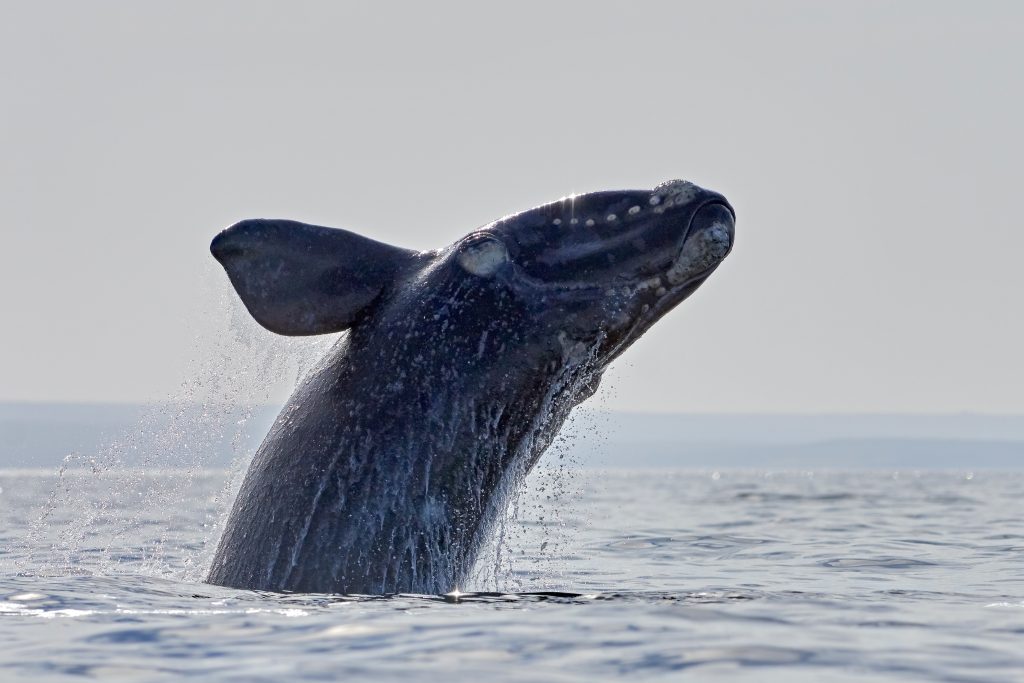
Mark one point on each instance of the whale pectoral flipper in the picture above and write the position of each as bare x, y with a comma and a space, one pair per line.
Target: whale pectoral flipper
299, 279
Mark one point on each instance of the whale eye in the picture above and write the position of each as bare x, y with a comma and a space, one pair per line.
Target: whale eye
483, 256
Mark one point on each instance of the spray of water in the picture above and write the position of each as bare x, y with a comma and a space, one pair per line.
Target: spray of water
114, 510
527, 550
102, 502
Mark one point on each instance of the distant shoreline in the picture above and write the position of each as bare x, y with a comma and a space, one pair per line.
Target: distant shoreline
172, 435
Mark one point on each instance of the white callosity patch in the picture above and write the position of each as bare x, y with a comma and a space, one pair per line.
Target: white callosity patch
673, 193
700, 252
484, 258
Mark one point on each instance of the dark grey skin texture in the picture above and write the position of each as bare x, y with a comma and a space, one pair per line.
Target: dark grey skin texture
390, 463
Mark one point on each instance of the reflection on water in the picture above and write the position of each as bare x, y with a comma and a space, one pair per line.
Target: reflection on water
782, 576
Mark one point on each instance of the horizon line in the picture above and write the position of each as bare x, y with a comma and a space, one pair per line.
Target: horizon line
743, 413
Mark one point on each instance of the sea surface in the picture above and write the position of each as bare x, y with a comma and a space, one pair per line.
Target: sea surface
595, 575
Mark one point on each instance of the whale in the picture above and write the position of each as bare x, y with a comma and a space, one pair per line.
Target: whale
387, 469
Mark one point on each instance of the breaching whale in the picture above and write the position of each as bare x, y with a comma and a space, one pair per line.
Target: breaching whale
390, 463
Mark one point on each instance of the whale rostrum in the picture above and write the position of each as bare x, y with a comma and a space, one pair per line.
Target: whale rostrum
397, 453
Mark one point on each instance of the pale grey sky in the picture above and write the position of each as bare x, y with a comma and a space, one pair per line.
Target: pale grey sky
872, 151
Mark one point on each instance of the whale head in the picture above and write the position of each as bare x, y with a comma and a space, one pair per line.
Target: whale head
601, 268
570, 283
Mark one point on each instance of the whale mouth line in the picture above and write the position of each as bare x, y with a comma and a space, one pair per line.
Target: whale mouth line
660, 279
716, 243
642, 301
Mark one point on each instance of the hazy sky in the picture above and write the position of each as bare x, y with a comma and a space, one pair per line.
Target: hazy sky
872, 151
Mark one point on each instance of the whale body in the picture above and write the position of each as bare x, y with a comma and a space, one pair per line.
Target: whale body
389, 465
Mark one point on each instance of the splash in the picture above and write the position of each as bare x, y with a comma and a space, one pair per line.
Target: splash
89, 521
104, 502
529, 546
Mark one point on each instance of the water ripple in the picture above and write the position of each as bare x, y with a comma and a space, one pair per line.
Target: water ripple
787, 577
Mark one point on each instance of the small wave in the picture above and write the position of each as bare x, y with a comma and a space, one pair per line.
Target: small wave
861, 563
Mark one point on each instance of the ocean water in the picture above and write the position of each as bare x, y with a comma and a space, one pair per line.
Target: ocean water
595, 575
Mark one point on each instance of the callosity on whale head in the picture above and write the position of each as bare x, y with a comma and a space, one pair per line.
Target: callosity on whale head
603, 267
395, 455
